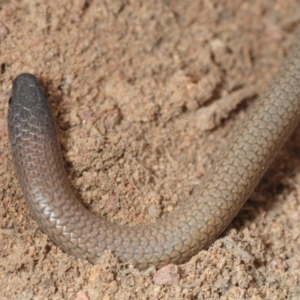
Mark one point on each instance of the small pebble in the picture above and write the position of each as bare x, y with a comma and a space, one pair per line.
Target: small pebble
167, 275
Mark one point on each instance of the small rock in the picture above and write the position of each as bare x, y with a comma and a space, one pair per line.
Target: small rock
167, 275
81, 295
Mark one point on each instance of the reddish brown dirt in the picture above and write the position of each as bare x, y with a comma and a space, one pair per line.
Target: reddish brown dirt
145, 94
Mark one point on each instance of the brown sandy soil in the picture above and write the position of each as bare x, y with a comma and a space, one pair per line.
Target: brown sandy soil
146, 94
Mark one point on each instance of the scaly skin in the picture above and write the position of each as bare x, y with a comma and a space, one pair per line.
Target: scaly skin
180, 235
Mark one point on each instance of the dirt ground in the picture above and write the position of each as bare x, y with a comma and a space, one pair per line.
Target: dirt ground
146, 94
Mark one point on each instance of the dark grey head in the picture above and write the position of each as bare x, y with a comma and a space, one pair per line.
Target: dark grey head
27, 92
